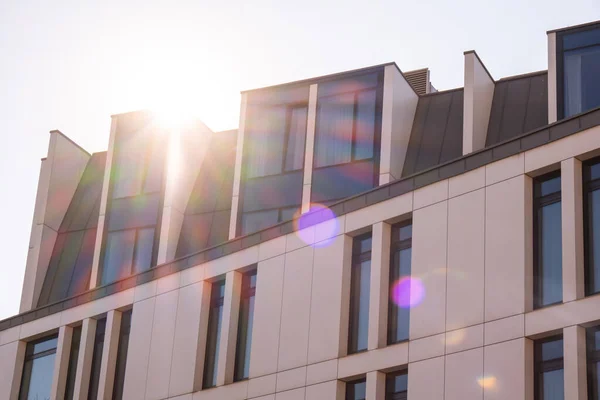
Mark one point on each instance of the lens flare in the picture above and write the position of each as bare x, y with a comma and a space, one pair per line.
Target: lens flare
408, 292
324, 222
487, 382
455, 337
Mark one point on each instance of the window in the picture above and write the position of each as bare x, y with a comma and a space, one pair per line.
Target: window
579, 59
549, 380
356, 390
244, 337
211, 358
396, 386
276, 139
73, 358
359, 293
97, 358
591, 210
593, 362
547, 244
38, 369
399, 292
127, 252
124, 331
258, 220
346, 126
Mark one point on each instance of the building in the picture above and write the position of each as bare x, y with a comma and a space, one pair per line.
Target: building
360, 236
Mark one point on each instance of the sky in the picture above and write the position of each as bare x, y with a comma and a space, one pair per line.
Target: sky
69, 65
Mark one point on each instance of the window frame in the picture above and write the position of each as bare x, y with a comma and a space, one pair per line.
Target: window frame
212, 353
30, 357
99, 340
395, 396
560, 67
358, 258
122, 351
73, 362
592, 358
540, 366
588, 187
539, 202
247, 292
396, 246
352, 384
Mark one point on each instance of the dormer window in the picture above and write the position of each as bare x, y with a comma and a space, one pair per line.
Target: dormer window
578, 57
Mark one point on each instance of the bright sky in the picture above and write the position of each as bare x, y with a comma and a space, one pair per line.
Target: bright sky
69, 65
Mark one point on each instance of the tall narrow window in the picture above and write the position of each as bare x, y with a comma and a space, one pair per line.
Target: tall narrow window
244, 337
591, 210
579, 62
399, 291
359, 294
97, 358
122, 355
211, 358
356, 390
549, 379
396, 386
593, 362
547, 241
36, 382
73, 357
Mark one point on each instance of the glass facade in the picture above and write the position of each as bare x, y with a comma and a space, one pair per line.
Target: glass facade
580, 62
211, 358
591, 211
360, 282
36, 381
246, 318
347, 136
356, 390
274, 146
547, 245
399, 291
549, 375
135, 201
396, 386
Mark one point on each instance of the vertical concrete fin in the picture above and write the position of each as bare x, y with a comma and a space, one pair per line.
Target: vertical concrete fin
478, 96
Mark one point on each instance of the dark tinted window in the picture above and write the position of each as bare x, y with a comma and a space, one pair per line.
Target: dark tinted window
97, 359
400, 266
73, 358
547, 241
244, 337
211, 358
356, 390
360, 282
591, 210
124, 331
580, 64
396, 386
549, 369
36, 381
593, 363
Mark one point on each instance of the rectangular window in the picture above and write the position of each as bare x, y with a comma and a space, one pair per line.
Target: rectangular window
399, 289
396, 385
124, 331
591, 211
580, 63
38, 369
97, 358
347, 116
73, 358
549, 380
244, 337
276, 139
356, 390
360, 282
593, 362
211, 358
547, 246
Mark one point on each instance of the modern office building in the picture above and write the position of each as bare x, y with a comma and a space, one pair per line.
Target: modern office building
359, 236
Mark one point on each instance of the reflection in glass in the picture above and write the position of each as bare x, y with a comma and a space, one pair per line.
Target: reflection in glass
244, 338
36, 381
211, 359
359, 294
396, 386
118, 255
334, 127
356, 390
581, 79
400, 268
549, 369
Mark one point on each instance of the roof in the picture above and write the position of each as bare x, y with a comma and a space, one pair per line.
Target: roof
499, 151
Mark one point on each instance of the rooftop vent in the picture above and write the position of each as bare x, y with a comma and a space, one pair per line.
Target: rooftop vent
419, 80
